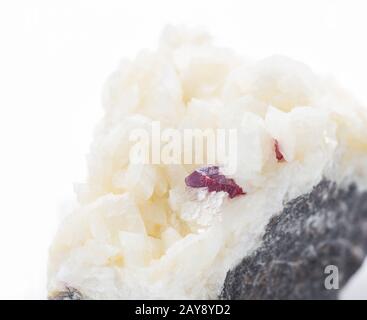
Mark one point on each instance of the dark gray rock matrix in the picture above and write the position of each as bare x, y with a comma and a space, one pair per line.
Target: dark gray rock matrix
325, 227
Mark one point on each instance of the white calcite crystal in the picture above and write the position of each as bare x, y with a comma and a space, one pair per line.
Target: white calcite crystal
137, 231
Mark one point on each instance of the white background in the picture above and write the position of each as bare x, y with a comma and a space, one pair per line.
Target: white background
54, 58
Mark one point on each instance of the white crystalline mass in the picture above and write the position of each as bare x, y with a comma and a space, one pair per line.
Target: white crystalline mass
137, 231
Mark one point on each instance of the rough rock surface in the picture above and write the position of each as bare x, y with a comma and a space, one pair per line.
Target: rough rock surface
326, 227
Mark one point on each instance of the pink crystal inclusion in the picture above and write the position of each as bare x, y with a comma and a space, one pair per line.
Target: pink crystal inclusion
278, 154
211, 178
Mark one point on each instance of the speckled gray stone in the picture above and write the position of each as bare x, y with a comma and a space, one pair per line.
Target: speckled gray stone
326, 227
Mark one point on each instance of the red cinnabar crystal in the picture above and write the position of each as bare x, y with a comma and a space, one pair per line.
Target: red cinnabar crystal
211, 178
278, 154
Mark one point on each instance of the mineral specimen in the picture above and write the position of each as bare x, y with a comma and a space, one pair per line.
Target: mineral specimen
140, 230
